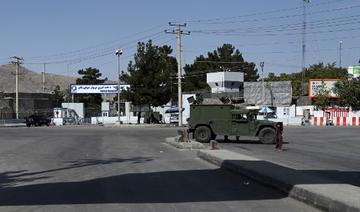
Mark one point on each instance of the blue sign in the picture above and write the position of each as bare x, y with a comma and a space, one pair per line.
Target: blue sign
97, 89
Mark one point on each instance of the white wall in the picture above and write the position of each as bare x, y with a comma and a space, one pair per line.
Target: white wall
286, 112
128, 118
217, 81
186, 106
300, 110
78, 107
113, 120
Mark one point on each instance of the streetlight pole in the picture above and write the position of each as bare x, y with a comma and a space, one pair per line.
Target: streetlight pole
118, 52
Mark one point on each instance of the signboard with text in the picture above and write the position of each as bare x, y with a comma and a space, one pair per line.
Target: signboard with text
99, 89
316, 85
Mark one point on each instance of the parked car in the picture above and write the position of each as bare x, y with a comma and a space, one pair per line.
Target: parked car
174, 118
37, 120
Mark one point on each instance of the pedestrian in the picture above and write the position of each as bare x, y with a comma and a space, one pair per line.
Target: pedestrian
279, 136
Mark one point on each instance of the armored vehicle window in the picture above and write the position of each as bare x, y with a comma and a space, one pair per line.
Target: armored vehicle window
239, 117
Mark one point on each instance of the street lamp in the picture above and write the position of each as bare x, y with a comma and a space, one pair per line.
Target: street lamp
118, 52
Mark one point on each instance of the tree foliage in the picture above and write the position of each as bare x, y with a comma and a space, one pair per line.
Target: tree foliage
90, 76
224, 58
316, 71
348, 91
149, 76
58, 97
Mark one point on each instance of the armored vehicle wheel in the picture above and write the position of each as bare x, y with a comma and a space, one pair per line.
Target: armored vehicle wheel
267, 136
202, 134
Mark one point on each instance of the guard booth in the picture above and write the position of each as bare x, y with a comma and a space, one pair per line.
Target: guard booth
105, 109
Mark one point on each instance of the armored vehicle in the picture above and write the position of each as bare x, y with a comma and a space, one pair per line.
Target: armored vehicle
208, 121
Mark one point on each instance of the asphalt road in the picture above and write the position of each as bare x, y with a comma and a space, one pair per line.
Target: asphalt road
127, 169
329, 152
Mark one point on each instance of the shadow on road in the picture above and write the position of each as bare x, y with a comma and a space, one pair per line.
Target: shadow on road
296, 177
155, 187
9, 179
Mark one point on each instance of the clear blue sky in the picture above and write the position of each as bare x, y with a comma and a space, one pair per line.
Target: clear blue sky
83, 33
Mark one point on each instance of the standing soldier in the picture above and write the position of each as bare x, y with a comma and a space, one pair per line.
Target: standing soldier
279, 136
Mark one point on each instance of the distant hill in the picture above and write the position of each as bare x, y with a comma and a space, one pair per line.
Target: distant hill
31, 82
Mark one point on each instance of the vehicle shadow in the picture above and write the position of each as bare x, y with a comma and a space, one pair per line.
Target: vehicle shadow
240, 141
244, 141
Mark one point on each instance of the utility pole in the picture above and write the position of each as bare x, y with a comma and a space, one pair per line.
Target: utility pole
262, 71
118, 53
340, 49
17, 62
305, 2
178, 33
43, 77
68, 74
262, 82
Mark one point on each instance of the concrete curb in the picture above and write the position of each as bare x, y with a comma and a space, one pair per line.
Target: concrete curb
321, 193
13, 125
173, 141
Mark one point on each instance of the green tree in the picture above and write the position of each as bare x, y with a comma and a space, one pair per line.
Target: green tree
348, 91
316, 71
58, 97
92, 102
224, 58
149, 76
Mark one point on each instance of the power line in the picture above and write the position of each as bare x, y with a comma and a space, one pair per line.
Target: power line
92, 55
96, 47
104, 63
354, 19
291, 16
213, 20
275, 34
325, 23
129, 56
109, 50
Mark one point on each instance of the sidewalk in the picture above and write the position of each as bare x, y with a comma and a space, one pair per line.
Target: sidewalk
140, 125
322, 193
